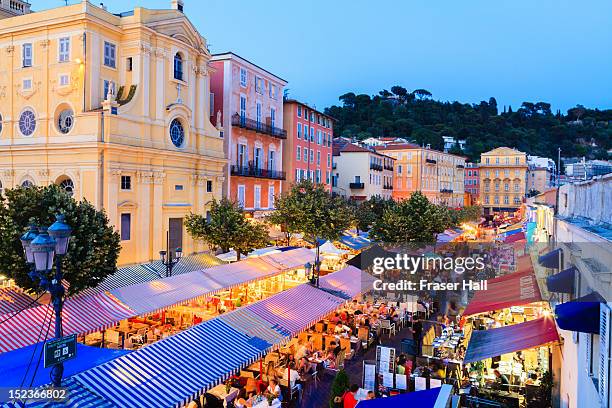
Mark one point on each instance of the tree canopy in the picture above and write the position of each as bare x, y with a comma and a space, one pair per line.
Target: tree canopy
412, 221
314, 212
94, 246
228, 228
533, 128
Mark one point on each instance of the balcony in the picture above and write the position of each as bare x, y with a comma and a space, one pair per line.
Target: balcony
388, 167
253, 171
357, 186
446, 191
388, 187
259, 127
460, 166
431, 161
376, 167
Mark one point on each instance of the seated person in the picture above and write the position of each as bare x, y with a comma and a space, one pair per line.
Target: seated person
274, 389
302, 350
292, 377
532, 380
371, 395
330, 358
501, 380
304, 368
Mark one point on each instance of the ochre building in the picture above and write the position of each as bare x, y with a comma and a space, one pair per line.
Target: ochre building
115, 109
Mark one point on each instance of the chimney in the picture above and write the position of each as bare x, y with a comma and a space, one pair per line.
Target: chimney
177, 5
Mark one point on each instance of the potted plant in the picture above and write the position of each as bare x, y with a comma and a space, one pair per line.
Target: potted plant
339, 387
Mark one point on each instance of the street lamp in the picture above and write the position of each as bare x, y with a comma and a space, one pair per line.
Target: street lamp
40, 251
308, 270
170, 258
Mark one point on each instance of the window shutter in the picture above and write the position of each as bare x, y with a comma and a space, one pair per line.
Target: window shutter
604, 354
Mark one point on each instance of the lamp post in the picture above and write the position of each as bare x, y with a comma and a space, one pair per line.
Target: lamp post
40, 250
170, 258
308, 270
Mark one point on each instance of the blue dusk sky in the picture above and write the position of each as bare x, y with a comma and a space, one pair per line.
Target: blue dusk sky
557, 51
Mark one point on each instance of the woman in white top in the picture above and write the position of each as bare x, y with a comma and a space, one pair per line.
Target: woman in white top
274, 389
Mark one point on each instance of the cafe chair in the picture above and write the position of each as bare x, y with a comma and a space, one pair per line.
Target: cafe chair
364, 335
386, 325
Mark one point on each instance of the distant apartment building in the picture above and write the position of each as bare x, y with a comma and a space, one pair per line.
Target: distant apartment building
12, 8
360, 173
247, 102
582, 235
587, 169
307, 151
381, 141
540, 173
438, 175
503, 179
472, 182
450, 142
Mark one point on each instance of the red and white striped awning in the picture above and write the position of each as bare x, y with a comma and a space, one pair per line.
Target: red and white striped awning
80, 315
14, 299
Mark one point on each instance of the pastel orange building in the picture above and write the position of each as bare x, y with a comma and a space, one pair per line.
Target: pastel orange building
247, 105
307, 152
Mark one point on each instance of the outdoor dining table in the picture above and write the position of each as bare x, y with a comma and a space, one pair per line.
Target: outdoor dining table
220, 392
264, 404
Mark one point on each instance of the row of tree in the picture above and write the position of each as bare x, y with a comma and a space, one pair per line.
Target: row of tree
532, 128
310, 210
307, 209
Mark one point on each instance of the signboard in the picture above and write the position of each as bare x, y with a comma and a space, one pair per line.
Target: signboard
369, 375
385, 359
435, 383
387, 380
420, 383
401, 382
59, 350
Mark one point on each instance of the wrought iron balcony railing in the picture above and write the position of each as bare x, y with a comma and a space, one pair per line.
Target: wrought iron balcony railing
357, 186
258, 126
253, 171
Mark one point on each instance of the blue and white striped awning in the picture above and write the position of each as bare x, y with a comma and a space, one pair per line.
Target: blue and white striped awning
296, 309
175, 370
351, 281
149, 297
146, 272
252, 325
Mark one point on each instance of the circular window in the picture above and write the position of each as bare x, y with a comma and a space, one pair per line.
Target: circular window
27, 122
68, 186
65, 120
177, 133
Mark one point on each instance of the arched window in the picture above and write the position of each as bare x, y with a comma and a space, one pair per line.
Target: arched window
178, 67
27, 184
67, 185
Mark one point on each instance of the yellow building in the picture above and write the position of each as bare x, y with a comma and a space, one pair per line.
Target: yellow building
503, 178
115, 108
438, 175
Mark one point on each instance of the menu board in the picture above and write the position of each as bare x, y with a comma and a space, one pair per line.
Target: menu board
401, 382
420, 383
385, 359
433, 383
388, 380
369, 375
